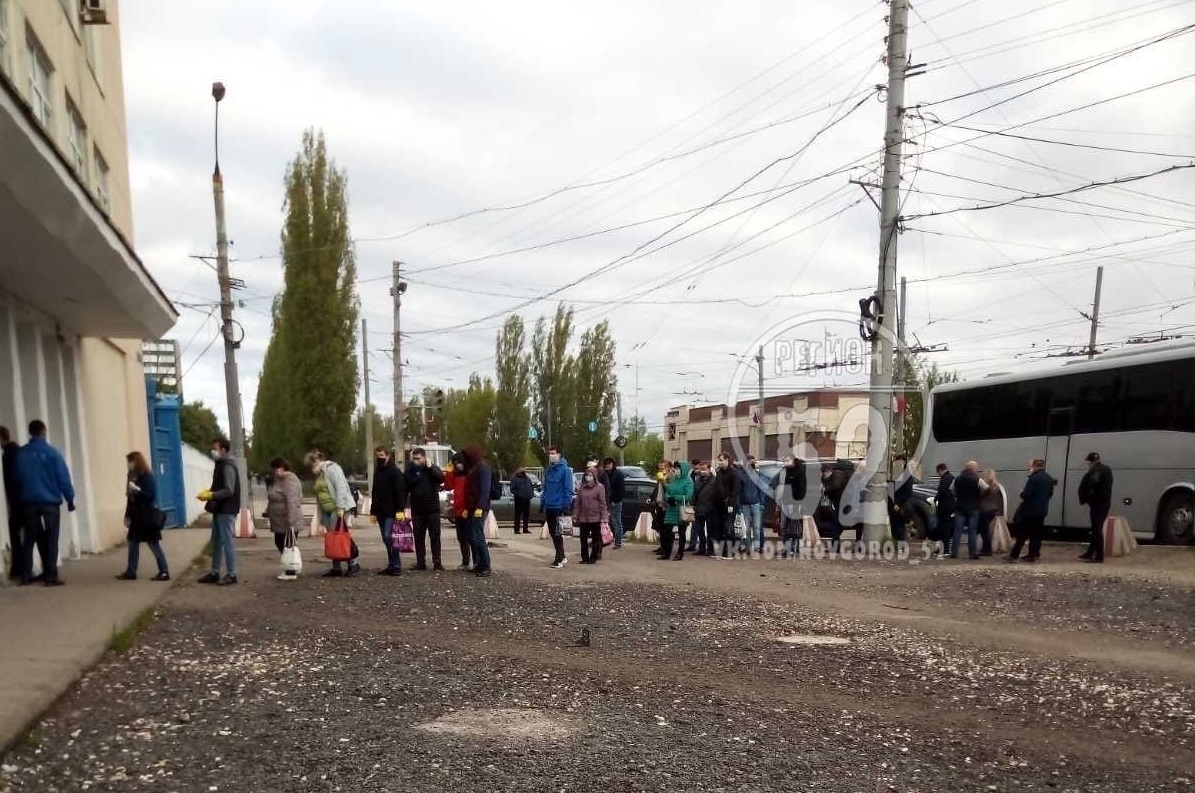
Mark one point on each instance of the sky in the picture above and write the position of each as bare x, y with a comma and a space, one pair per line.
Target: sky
685, 170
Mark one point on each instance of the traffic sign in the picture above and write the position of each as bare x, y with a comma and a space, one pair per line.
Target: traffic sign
593, 425
532, 433
620, 442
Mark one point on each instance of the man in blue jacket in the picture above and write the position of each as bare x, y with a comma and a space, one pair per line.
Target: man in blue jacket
557, 500
1030, 517
45, 483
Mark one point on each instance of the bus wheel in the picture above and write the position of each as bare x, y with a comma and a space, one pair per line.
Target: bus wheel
1176, 525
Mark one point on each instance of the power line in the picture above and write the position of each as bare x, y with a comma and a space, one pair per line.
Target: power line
1078, 145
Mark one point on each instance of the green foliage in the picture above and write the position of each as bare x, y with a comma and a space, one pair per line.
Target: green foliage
122, 641
469, 413
360, 456
512, 412
308, 388
643, 447
919, 379
198, 425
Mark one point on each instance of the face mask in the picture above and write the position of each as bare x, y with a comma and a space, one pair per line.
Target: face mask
381, 460
316, 469
589, 480
553, 458
216, 454
418, 461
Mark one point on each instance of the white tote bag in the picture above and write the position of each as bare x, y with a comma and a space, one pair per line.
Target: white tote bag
544, 533
810, 537
1001, 537
292, 559
491, 526
643, 529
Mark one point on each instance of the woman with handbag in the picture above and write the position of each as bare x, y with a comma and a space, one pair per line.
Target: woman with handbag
284, 508
591, 512
143, 519
678, 504
334, 500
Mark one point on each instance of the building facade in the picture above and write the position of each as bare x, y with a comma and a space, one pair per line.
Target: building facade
75, 301
825, 423
162, 361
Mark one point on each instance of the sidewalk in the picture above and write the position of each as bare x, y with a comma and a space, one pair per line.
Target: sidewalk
51, 636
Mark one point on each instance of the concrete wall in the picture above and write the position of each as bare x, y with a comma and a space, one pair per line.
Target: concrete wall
197, 474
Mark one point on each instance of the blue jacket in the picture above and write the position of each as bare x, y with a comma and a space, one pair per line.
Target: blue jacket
749, 484
1035, 498
43, 475
558, 486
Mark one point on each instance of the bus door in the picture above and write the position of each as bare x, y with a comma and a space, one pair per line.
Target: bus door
1058, 452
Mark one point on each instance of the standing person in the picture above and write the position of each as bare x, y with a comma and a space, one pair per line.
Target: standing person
658, 501
791, 487
522, 491
387, 502
616, 491
991, 506
44, 483
678, 492
900, 490
557, 500
968, 490
12, 498
284, 502
1095, 490
944, 505
335, 501
704, 504
455, 480
726, 488
478, 478
424, 481
1030, 518
592, 508
826, 514
751, 504
142, 518
223, 502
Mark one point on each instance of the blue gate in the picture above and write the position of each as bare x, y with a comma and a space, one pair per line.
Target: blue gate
166, 449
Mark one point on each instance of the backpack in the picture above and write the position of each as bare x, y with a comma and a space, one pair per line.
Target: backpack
495, 488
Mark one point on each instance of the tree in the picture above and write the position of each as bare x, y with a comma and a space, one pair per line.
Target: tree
919, 379
359, 455
198, 425
549, 376
643, 447
512, 413
469, 413
308, 389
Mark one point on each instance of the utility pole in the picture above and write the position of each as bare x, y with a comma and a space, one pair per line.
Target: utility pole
368, 405
400, 405
622, 458
761, 450
1095, 311
232, 384
901, 368
879, 445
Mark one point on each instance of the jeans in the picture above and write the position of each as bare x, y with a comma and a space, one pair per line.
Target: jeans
41, 531
552, 516
387, 527
329, 520
464, 539
753, 514
698, 538
155, 548
222, 548
523, 515
591, 542
1032, 529
481, 551
616, 523
427, 526
968, 518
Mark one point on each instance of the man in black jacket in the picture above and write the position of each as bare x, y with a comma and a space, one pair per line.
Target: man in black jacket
616, 490
388, 503
944, 504
522, 491
727, 490
968, 488
12, 497
704, 504
224, 503
1030, 517
1096, 492
423, 481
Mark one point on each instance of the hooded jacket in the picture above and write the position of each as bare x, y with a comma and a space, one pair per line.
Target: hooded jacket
591, 503
454, 480
478, 477
558, 486
43, 476
338, 486
678, 491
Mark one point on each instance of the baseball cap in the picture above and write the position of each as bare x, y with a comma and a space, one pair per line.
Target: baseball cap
1093, 457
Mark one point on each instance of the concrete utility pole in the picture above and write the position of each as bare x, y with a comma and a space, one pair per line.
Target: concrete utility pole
232, 380
879, 446
400, 405
1095, 311
899, 422
368, 406
761, 450
622, 458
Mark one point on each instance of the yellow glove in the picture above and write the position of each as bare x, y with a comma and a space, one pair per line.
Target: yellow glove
340, 513
373, 518
448, 468
477, 513
204, 495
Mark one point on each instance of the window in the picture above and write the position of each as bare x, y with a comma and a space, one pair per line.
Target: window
4, 67
91, 48
1099, 404
102, 178
1150, 398
76, 139
39, 81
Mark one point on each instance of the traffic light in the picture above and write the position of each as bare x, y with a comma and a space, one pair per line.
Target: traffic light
435, 399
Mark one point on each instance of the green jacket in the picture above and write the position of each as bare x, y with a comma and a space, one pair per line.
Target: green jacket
680, 489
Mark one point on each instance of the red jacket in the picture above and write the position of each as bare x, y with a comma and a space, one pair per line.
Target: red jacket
455, 480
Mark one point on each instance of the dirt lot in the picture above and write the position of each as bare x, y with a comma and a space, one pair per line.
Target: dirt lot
945, 676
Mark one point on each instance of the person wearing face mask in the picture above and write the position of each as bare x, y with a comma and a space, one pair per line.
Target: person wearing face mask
142, 518
704, 503
591, 510
387, 505
455, 480
557, 500
726, 489
223, 501
424, 480
678, 492
335, 500
284, 507
479, 479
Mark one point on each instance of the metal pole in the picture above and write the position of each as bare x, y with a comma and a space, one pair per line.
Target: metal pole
761, 450
1095, 311
368, 406
232, 385
622, 458
901, 366
400, 406
879, 438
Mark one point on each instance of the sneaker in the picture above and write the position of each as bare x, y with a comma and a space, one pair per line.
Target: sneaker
161, 577
229, 580
483, 573
126, 576
210, 578
465, 566
559, 563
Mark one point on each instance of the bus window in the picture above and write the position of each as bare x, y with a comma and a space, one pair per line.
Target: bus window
1099, 403
1149, 399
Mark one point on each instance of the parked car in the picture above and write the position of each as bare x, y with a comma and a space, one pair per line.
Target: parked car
637, 500
634, 472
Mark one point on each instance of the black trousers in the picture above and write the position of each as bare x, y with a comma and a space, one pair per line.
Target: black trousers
1099, 514
1033, 530
591, 542
279, 542
674, 535
16, 527
552, 517
427, 526
463, 539
523, 515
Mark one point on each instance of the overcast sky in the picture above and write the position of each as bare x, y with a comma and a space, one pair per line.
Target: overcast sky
441, 109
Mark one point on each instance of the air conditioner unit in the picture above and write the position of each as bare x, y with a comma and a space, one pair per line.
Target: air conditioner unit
93, 12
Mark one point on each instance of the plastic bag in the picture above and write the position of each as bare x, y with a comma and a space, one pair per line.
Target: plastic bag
402, 536
607, 535
491, 526
1001, 536
292, 559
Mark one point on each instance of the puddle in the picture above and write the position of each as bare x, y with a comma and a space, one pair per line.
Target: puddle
506, 724
815, 641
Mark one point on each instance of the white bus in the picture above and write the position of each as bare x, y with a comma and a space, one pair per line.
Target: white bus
1134, 406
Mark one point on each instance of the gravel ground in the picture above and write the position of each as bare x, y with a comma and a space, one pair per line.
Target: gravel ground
446, 682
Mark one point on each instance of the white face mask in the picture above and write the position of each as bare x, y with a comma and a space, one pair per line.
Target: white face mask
216, 454
589, 480
553, 458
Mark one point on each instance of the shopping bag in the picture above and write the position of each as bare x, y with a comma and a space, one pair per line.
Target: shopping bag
810, 537
544, 533
607, 535
1118, 537
643, 530
402, 536
491, 526
338, 543
1001, 536
740, 527
292, 560
568, 528
317, 526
